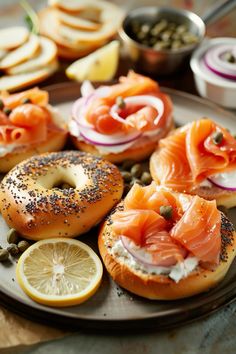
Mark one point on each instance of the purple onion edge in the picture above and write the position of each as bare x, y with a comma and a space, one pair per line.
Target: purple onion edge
220, 186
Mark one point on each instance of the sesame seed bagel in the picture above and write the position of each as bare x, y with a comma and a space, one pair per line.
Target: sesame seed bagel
32, 203
161, 287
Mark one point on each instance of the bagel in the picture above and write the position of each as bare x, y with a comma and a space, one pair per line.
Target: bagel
31, 203
31, 128
132, 276
103, 127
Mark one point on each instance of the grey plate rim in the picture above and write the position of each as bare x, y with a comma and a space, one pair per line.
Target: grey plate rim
225, 295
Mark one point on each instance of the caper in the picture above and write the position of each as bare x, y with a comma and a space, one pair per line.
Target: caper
4, 255
176, 44
126, 176
166, 36
189, 38
12, 236
159, 27
145, 28
127, 164
217, 137
146, 178
160, 45
7, 111
127, 188
120, 102
176, 35
166, 211
1, 104
136, 170
134, 181
23, 245
229, 57
26, 100
13, 249
181, 29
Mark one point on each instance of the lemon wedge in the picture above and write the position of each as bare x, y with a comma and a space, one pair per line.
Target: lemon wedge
59, 272
101, 65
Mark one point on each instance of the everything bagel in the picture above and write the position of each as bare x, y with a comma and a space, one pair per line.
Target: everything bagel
33, 201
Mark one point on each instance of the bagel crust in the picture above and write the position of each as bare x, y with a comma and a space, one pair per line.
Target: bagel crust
31, 203
55, 142
136, 153
161, 287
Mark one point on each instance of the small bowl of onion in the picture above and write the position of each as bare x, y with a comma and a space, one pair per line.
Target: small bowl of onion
214, 68
160, 39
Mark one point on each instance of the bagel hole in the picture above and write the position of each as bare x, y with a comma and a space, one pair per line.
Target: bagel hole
63, 185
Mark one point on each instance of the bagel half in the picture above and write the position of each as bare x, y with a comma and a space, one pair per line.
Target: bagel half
160, 287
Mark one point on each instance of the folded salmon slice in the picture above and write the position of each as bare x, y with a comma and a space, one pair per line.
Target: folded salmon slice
194, 227
151, 198
147, 229
199, 230
190, 155
141, 118
27, 123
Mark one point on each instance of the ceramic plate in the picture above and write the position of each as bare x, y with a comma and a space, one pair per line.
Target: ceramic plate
112, 308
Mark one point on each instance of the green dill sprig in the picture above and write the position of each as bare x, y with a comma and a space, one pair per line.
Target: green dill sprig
31, 18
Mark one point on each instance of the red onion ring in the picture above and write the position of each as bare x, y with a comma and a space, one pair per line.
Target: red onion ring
86, 88
213, 60
217, 180
78, 115
99, 139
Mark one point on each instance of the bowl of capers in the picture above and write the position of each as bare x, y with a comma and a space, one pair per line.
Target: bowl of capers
160, 39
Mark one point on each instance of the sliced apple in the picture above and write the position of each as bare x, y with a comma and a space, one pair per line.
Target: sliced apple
75, 21
13, 37
47, 52
16, 82
22, 53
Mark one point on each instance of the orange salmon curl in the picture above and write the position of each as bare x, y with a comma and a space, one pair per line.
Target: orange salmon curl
28, 115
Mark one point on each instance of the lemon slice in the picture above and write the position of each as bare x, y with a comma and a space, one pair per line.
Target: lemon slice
59, 272
101, 65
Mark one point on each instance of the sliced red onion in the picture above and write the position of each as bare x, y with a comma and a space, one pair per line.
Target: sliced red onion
86, 88
141, 255
78, 113
139, 100
225, 180
213, 60
99, 139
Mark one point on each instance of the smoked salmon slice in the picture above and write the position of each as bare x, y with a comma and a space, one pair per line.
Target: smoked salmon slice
147, 229
139, 118
190, 155
199, 230
194, 227
27, 123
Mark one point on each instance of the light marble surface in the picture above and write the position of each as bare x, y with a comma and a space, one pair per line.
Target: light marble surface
212, 335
